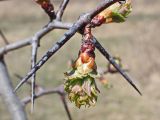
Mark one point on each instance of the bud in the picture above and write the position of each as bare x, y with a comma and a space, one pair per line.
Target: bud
42, 1
81, 90
80, 81
117, 12
48, 7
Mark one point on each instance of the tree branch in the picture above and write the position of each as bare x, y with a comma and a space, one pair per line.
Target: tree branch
43, 92
58, 90
61, 9
11, 100
38, 35
34, 41
81, 22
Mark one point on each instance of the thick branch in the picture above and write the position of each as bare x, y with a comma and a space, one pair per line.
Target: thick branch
11, 100
83, 20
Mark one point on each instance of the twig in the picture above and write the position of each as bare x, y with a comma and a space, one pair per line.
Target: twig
83, 20
66, 106
109, 57
28, 41
43, 92
61, 9
58, 90
4, 37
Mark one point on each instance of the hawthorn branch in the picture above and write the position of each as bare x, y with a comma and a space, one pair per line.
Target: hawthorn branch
61, 9
81, 22
34, 41
65, 26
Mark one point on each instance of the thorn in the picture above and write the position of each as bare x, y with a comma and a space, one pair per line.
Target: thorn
112, 61
32, 103
25, 79
19, 85
125, 75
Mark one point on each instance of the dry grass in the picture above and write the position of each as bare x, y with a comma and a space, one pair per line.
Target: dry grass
136, 41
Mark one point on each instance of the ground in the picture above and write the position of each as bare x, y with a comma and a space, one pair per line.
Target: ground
135, 41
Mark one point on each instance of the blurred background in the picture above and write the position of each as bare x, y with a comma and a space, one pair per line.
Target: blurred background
136, 41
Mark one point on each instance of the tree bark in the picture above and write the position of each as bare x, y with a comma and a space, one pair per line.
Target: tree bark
12, 102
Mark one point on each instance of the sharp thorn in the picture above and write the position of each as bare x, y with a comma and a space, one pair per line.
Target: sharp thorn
109, 57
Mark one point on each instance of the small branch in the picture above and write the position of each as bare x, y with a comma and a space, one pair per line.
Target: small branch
8, 96
83, 20
109, 57
14, 46
43, 92
61, 10
4, 37
66, 106
39, 35
58, 90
